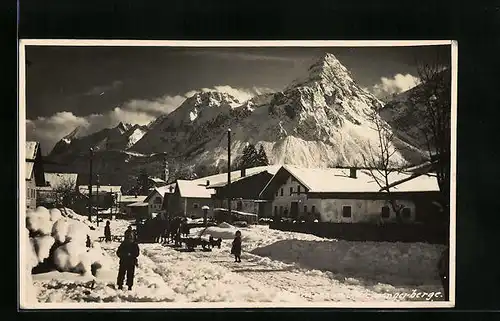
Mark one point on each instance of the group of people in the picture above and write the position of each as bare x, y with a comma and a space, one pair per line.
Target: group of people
170, 229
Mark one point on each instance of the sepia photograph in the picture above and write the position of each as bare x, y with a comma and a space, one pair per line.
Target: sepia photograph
230, 174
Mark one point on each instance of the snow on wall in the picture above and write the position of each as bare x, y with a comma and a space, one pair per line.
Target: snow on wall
361, 210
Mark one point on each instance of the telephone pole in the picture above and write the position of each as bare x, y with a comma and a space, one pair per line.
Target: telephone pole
229, 171
91, 155
97, 202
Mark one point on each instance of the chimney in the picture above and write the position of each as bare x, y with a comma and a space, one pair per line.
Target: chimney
243, 172
352, 173
208, 183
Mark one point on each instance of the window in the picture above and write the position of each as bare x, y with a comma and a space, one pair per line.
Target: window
298, 189
291, 191
157, 200
275, 210
346, 211
195, 205
305, 209
281, 210
406, 212
313, 209
281, 192
386, 212
276, 193
239, 206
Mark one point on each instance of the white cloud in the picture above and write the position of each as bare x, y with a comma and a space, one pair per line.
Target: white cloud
394, 85
49, 130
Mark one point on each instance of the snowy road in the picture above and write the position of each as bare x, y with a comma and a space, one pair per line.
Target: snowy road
165, 274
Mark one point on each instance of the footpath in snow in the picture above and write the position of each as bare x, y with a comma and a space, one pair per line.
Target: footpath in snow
276, 267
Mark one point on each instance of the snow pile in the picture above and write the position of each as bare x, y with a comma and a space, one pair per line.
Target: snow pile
60, 241
393, 263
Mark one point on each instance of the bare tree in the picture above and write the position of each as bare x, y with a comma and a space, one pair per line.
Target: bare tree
64, 191
433, 100
379, 161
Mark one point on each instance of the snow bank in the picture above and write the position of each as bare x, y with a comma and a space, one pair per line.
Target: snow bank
393, 263
42, 246
38, 221
55, 214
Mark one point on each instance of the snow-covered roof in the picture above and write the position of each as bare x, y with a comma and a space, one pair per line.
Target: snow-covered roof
137, 204
269, 169
194, 189
31, 150
337, 180
222, 178
131, 198
84, 189
57, 179
29, 170
170, 188
157, 180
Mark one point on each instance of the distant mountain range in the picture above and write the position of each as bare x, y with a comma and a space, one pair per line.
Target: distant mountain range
320, 120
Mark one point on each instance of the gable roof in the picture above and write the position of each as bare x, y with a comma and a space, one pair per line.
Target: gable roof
337, 180
57, 179
194, 189
235, 175
157, 180
132, 198
29, 170
270, 170
160, 190
31, 150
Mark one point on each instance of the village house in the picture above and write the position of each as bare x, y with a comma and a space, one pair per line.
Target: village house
244, 190
188, 198
34, 173
125, 200
155, 199
347, 195
138, 210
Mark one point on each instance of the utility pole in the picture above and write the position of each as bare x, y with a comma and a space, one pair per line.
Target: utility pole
229, 171
91, 155
165, 167
97, 202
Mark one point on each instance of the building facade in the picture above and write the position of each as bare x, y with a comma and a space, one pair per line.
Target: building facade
340, 196
34, 173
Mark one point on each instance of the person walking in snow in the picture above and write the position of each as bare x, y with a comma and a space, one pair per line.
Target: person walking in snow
107, 232
88, 243
443, 268
129, 231
128, 251
236, 247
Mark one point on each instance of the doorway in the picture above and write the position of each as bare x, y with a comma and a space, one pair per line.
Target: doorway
294, 209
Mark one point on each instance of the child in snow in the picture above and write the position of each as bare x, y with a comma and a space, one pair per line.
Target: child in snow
107, 232
443, 268
88, 243
236, 248
128, 251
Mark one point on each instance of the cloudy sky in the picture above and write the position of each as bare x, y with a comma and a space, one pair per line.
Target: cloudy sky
97, 87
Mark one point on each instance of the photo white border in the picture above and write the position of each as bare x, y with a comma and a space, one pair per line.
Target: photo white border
22, 274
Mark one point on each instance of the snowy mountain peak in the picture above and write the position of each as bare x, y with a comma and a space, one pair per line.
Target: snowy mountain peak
212, 98
68, 138
326, 70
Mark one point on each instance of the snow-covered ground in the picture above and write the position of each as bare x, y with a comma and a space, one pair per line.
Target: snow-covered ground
277, 267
